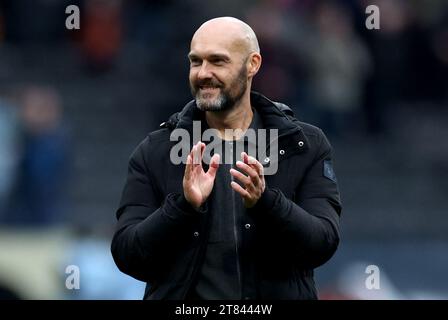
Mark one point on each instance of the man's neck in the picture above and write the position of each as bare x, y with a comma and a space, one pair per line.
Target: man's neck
239, 117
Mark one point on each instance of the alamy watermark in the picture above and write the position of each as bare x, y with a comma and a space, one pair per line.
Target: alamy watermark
74, 277
73, 20
260, 144
373, 280
373, 20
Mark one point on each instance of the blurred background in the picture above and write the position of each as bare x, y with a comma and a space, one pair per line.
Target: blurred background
75, 103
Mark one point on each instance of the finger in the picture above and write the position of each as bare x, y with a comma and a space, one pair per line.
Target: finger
245, 180
247, 159
235, 186
202, 147
251, 161
214, 165
251, 172
191, 153
244, 157
188, 167
254, 163
196, 155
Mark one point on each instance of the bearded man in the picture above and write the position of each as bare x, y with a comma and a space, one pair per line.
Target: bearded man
224, 229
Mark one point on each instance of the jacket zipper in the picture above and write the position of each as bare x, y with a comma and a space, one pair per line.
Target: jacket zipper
235, 235
235, 225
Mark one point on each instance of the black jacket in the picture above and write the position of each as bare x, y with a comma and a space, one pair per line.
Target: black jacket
160, 238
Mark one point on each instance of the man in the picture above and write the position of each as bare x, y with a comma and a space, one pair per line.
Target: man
228, 231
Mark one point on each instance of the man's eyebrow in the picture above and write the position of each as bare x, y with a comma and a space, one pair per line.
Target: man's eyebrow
218, 56
212, 56
192, 56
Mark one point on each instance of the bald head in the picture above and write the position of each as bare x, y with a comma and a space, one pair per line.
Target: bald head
224, 57
230, 31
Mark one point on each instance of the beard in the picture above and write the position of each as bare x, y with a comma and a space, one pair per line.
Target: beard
226, 98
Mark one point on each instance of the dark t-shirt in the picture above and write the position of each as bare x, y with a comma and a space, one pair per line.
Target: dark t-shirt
220, 275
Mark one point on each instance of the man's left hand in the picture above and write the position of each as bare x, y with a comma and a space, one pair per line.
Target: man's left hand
253, 179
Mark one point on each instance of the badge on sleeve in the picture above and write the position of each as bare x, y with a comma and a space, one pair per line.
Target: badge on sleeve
328, 170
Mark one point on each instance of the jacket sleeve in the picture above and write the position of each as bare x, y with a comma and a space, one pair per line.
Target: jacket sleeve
310, 224
149, 227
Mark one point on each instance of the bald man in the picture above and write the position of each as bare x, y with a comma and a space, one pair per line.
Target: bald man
222, 227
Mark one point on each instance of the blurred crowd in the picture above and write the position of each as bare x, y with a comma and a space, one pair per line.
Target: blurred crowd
34, 158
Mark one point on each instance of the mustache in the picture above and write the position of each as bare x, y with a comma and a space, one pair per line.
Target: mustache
208, 83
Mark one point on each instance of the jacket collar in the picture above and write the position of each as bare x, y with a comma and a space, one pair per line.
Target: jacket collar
274, 115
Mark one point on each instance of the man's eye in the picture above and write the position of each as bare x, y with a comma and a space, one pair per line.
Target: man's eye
195, 62
217, 61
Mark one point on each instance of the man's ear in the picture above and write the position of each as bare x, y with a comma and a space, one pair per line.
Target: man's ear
253, 64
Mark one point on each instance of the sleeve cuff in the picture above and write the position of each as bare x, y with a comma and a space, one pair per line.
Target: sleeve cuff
184, 205
266, 201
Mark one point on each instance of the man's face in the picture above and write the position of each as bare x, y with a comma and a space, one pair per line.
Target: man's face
218, 74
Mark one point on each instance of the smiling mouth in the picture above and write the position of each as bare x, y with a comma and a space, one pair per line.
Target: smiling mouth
208, 88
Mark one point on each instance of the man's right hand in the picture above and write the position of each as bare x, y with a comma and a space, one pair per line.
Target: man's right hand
198, 184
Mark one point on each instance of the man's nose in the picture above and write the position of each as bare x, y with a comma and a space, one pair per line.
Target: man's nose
204, 71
